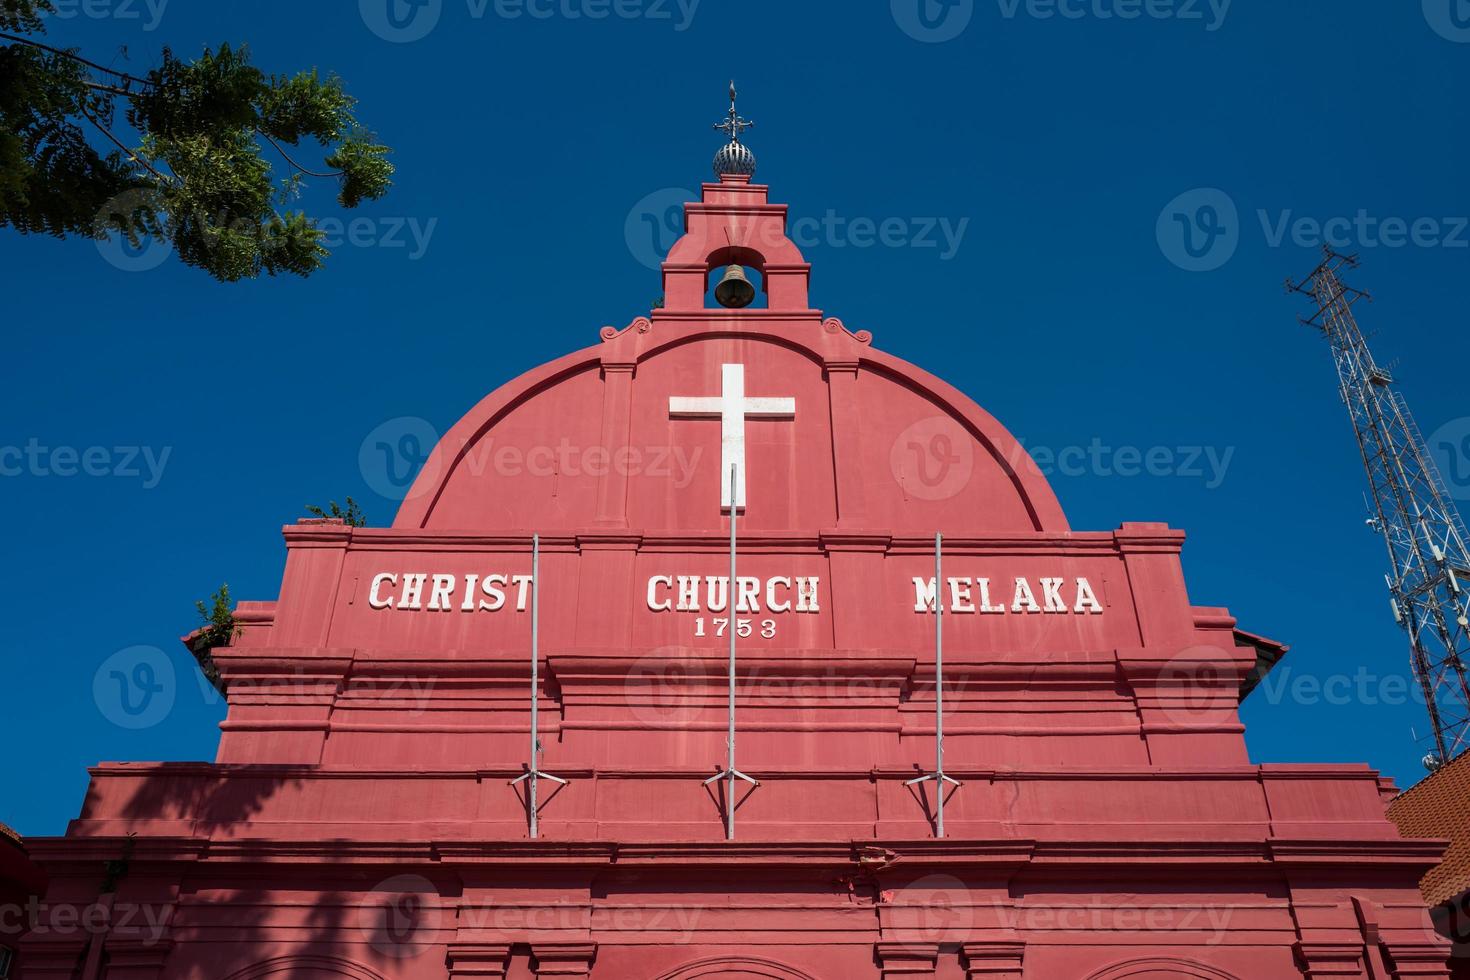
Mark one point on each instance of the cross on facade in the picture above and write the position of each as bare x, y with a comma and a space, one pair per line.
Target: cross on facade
732, 408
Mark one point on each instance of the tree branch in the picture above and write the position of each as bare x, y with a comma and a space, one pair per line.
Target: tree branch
29, 42
309, 173
119, 144
113, 89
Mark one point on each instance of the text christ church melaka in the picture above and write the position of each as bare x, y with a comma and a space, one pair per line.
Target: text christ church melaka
368, 815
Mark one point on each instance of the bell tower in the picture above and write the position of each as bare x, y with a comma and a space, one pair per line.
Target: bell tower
734, 225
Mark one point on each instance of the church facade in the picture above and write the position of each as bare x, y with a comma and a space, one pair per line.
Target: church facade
377, 812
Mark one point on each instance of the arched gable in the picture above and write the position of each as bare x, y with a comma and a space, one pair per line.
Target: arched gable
1161, 968
306, 967
735, 968
575, 399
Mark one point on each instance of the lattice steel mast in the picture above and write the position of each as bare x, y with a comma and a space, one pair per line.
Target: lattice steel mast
1429, 564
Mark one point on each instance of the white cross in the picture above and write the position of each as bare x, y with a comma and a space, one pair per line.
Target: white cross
732, 408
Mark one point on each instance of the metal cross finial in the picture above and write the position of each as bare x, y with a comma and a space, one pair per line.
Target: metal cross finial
734, 125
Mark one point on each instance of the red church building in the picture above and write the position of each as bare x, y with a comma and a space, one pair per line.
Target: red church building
370, 815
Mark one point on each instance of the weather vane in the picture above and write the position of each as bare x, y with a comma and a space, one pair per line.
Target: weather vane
734, 125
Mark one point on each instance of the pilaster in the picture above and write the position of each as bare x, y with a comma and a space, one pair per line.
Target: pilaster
566, 961
992, 960
478, 961
907, 961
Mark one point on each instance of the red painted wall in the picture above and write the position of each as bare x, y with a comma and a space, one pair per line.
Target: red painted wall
360, 821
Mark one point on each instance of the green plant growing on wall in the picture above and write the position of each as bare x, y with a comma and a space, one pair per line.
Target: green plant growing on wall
351, 515
217, 629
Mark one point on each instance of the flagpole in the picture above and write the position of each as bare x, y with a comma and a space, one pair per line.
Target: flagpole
939, 680
533, 773
938, 775
731, 773
730, 805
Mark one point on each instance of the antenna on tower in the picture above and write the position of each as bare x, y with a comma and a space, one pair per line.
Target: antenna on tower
1412, 510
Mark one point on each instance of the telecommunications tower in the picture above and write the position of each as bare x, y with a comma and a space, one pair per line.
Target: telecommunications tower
1429, 563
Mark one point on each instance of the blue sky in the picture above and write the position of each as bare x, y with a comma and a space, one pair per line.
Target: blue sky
538, 154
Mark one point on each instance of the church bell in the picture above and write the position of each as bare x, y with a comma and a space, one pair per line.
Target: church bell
734, 291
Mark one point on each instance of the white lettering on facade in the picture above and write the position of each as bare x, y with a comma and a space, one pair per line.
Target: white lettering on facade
972, 595
711, 594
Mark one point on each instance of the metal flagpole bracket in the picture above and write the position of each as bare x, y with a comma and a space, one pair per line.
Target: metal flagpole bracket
938, 775
731, 773
533, 774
